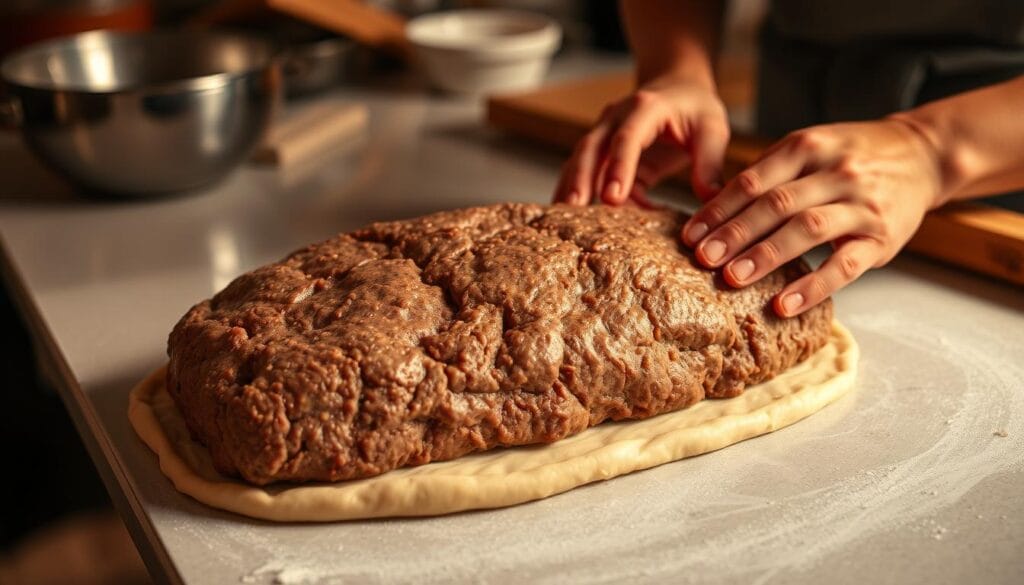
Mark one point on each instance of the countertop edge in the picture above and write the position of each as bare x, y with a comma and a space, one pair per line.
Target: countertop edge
97, 442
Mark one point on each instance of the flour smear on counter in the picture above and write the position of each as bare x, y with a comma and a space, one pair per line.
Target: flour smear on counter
754, 512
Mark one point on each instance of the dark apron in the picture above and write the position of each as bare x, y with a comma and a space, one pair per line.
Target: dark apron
834, 60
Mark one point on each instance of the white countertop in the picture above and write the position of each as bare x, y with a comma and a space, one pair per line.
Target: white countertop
908, 479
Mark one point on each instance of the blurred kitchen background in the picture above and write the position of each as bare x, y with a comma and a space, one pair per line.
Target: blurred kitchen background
58, 525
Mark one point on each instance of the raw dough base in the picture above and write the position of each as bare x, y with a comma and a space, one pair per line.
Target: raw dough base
502, 477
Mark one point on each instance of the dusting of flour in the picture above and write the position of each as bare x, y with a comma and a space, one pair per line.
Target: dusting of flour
919, 432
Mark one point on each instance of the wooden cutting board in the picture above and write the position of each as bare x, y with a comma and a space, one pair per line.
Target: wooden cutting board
973, 235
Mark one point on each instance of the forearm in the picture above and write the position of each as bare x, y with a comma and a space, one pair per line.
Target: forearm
674, 37
977, 138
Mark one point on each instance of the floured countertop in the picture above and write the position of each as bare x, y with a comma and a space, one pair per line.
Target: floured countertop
904, 480
917, 476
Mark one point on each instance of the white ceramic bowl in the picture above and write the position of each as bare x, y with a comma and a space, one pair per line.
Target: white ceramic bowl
484, 50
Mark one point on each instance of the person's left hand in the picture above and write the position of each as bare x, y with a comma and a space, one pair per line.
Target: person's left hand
862, 186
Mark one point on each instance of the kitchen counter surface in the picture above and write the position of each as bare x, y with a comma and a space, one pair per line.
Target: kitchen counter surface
917, 476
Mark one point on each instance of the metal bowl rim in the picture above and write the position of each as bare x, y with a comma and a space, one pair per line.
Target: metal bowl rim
196, 83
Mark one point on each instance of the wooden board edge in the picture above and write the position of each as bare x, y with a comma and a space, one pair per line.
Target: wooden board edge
503, 114
962, 234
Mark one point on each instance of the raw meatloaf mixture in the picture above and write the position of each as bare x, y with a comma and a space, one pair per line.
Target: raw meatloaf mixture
423, 340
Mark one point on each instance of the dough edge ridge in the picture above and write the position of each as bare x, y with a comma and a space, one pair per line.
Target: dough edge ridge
503, 477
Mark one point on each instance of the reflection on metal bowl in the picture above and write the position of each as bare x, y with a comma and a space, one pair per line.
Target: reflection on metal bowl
142, 113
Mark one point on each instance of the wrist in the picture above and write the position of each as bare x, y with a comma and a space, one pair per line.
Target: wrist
944, 154
692, 66
679, 77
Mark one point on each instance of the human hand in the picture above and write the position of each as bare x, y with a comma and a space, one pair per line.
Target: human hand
654, 133
864, 187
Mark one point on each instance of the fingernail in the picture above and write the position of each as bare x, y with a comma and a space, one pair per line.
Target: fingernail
611, 192
574, 198
697, 231
742, 269
792, 302
713, 250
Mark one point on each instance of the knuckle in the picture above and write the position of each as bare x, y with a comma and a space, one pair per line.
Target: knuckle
769, 252
715, 124
814, 223
880, 229
713, 214
817, 288
749, 183
645, 98
736, 231
809, 141
849, 267
781, 201
876, 206
849, 168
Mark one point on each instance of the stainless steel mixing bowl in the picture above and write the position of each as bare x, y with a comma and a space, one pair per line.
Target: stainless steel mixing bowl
142, 113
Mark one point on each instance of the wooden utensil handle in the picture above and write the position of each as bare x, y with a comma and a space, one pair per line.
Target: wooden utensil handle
308, 133
366, 24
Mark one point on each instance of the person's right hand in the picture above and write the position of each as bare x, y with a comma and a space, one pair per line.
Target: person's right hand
664, 126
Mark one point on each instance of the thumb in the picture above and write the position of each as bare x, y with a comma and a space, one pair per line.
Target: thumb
708, 152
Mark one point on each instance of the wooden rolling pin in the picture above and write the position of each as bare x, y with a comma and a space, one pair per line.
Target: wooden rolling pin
305, 134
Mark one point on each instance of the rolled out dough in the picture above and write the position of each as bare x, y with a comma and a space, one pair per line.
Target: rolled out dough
501, 477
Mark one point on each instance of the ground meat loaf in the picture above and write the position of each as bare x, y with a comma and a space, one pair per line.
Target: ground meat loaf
423, 340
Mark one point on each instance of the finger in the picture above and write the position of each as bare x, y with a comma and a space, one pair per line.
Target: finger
657, 162
783, 166
772, 149
576, 184
638, 130
708, 152
764, 215
845, 265
660, 161
804, 231
564, 192
638, 196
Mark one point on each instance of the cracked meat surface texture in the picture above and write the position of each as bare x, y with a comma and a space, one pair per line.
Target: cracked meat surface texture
422, 340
